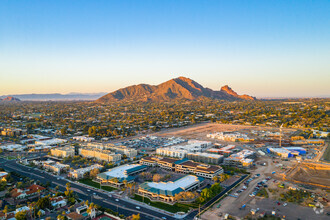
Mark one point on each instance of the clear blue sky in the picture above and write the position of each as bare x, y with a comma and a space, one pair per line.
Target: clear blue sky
263, 48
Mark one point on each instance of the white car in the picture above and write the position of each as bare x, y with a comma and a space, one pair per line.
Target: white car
137, 207
117, 200
285, 204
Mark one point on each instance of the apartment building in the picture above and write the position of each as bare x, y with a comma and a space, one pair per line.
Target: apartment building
244, 159
104, 155
63, 152
129, 152
205, 157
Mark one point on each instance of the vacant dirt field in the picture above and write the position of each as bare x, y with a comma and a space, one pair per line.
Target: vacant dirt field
312, 174
199, 131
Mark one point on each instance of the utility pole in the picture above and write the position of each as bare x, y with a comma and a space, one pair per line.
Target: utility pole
281, 135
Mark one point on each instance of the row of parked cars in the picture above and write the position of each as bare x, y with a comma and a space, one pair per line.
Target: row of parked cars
259, 186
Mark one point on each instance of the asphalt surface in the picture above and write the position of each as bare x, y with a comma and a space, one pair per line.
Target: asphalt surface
103, 199
85, 193
226, 190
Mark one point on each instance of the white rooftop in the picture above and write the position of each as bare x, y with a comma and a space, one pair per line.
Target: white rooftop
183, 182
119, 172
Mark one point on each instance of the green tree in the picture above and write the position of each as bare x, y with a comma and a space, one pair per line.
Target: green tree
22, 215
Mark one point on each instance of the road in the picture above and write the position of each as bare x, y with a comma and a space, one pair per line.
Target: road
194, 213
84, 192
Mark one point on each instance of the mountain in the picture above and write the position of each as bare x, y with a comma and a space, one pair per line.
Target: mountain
58, 96
181, 88
10, 99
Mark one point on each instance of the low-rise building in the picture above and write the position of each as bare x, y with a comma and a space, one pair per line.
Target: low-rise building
13, 147
27, 192
205, 157
63, 152
79, 173
129, 152
230, 136
104, 155
166, 191
181, 151
202, 170
243, 158
58, 202
56, 167
13, 132
3, 176
183, 166
225, 151
83, 138
116, 176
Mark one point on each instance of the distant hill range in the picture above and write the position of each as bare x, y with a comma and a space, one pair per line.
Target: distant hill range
9, 99
181, 88
57, 96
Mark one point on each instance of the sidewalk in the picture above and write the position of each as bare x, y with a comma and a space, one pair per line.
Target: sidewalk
154, 208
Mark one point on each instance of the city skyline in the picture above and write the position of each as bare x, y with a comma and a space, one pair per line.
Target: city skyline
264, 49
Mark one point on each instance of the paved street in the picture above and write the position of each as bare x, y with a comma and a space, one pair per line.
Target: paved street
84, 192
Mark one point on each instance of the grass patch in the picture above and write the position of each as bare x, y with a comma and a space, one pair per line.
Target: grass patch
326, 155
90, 182
263, 193
177, 207
11, 158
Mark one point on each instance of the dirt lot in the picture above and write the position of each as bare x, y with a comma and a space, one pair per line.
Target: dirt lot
199, 131
311, 173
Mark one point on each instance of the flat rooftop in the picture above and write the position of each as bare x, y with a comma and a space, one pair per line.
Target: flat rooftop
120, 172
183, 183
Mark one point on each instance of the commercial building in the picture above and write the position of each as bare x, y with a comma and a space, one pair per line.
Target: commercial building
83, 138
181, 151
183, 166
116, 176
296, 150
230, 136
129, 152
243, 158
166, 191
104, 155
51, 142
202, 170
13, 132
63, 152
286, 152
205, 157
282, 152
56, 167
13, 147
79, 173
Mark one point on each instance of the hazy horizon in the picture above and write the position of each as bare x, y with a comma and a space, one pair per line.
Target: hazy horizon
263, 49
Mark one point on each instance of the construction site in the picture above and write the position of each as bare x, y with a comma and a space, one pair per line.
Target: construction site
309, 173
